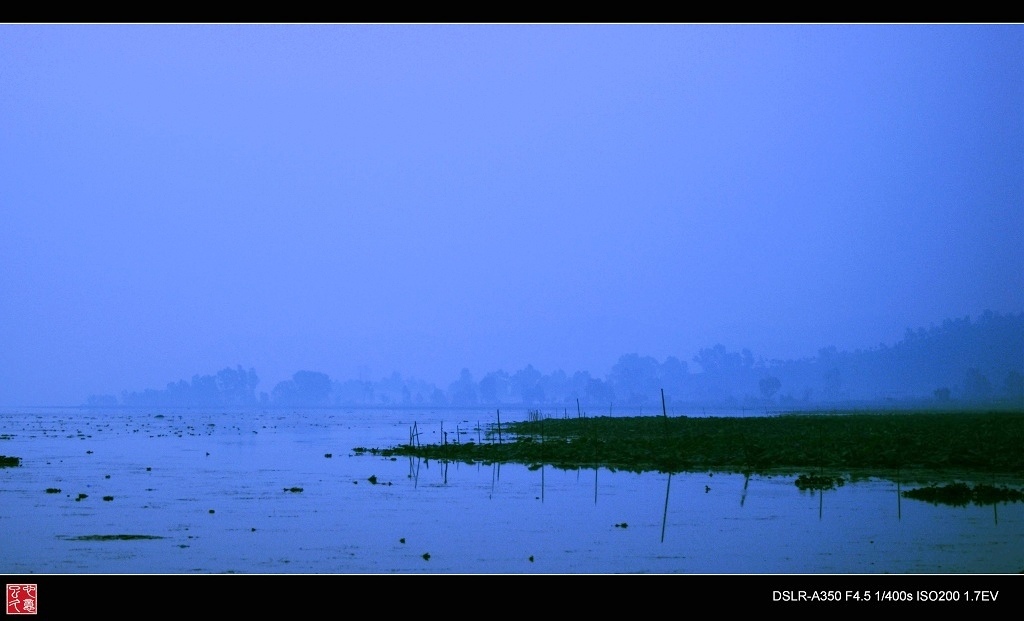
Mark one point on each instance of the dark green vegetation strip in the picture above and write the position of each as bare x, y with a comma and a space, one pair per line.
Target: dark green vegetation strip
961, 494
9, 462
111, 537
970, 441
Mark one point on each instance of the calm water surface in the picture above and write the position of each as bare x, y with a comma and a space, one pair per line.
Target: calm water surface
214, 490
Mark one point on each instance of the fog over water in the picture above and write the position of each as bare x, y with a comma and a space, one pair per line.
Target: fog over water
356, 200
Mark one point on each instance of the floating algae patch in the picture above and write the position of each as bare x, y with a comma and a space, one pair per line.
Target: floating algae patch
9, 462
111, 537
961, 494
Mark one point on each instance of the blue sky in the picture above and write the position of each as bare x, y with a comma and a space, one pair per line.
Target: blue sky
359, 199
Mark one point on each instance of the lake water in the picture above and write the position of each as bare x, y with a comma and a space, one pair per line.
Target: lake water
214, 490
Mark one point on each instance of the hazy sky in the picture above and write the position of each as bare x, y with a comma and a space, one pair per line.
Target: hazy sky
361, 199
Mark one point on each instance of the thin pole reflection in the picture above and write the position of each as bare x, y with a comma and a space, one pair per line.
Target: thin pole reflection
664, 514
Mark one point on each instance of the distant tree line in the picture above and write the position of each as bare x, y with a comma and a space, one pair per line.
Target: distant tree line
228, 388
960, 362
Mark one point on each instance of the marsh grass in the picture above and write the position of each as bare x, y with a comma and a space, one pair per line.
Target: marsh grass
877, 444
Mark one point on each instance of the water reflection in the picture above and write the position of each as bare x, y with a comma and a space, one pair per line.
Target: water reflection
664, 515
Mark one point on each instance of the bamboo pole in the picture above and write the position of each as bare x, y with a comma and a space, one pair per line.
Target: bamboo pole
664, 411
542, 459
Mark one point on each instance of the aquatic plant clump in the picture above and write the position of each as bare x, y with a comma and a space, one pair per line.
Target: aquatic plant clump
961, 494
807, 482
9, 462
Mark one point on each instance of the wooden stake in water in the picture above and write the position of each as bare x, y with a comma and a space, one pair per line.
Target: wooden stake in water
664, 411
499, 426
542, 460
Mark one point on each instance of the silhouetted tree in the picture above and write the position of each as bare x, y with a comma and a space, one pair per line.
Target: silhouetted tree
306, 388
716, 360
599, 392
672, 376
1013, 387
463, 390
494, 387
636, 379
526, 385
555, 386
237, 386
976, 386
769, 386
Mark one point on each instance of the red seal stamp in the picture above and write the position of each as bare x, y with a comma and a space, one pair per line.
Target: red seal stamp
21, 599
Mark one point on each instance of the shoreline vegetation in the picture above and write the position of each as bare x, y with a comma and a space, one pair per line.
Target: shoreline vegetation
924, 446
